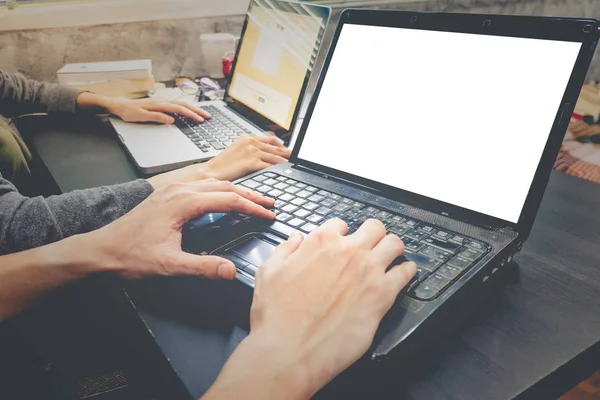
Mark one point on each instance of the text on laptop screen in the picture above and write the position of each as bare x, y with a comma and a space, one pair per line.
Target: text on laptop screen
459, 118
277, 50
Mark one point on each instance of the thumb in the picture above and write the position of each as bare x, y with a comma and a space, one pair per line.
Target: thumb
211, 267
153, 116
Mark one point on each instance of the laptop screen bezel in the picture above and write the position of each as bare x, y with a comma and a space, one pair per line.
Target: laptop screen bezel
252, 115
563, 29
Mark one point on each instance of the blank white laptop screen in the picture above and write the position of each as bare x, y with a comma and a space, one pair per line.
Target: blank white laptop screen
460, 118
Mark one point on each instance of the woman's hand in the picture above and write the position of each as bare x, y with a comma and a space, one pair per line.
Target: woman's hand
246, 155
143, 110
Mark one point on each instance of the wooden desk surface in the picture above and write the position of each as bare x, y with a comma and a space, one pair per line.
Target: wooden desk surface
539, 337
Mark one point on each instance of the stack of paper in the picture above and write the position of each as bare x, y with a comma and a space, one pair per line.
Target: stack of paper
131, 78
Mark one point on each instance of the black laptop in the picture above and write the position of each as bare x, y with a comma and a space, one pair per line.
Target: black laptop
443, 126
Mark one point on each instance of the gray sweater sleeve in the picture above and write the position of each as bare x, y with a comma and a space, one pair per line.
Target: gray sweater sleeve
19, 95
26, 223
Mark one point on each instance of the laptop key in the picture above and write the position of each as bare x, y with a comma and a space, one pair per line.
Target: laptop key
316, 198
296, 222
315, 219
292, 189
252, 184
259, 178
413, 245
279, 203
281, 178
283, 217
308, 228
438, 280
458, 239
415, 234
290, 208
422, 260
425, 291
328, 203
311, 189
300, 185
323, 210
275, 193
448, 246
435, 253
280, 186
421, 274
341, 208
470, 254
460, 262
303, 193
398, 229
286, 197
449, 271
476, 245
270, 182
264, 189
311, 206
442, 234
299, 201
250, 269
302, 213
270, 174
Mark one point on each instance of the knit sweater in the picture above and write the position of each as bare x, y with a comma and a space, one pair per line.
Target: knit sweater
25, 222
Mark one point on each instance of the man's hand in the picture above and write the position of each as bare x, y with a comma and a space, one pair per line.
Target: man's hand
317, 304
143, 110
147, 240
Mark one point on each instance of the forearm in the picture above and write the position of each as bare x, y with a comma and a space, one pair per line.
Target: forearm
259, 370
26, 276
26, 223
19, 95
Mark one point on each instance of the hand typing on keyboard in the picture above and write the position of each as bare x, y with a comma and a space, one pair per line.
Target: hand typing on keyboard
149, 110
246, 155
317, 304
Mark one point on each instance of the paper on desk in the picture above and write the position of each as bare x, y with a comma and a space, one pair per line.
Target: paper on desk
133, 88
173, 94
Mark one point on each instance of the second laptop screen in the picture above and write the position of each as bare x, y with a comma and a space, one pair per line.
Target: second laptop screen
456, 117
277, 51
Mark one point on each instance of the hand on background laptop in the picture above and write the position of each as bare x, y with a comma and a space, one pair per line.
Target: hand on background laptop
317, 304
147, 240
142, 110
246, 155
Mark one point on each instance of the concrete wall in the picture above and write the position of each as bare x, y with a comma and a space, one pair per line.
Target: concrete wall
173, 45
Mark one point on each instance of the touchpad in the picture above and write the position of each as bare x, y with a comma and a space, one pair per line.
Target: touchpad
254, 250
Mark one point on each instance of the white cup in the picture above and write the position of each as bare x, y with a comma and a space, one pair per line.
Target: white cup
213, 47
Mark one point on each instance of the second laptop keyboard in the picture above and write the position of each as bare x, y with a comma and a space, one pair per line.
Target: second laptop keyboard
215, 133
441, 255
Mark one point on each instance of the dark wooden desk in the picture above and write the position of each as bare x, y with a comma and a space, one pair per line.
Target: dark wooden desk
535, 339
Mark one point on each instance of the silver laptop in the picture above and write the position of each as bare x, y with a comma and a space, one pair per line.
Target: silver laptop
280, 42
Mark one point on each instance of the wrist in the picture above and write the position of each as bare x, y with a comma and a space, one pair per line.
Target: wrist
266, 369
95, 103
77, 256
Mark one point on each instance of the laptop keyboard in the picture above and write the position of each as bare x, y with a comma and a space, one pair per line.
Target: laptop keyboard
441, 255
216, 133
